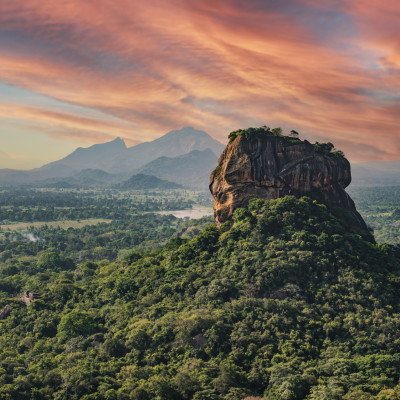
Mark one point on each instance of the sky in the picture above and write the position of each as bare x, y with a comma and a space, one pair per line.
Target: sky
79, 72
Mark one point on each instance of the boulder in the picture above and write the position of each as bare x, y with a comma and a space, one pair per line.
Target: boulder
5, 312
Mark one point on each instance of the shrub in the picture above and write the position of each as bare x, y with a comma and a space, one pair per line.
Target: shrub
50, 260
76, 324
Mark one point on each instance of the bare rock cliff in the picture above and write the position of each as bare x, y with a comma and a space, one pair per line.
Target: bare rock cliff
269, 167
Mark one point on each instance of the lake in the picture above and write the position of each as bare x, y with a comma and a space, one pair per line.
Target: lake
193, 213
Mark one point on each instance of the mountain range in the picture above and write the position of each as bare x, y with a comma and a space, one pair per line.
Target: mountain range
184, 156
190, 170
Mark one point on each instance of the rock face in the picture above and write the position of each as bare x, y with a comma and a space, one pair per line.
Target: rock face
28, 297
5, 312
270, 167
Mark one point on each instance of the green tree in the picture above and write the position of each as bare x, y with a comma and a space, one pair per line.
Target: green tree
277, 131
51, 260
76, 324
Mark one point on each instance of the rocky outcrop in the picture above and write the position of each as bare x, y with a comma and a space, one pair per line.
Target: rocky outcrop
5, 312
28, 297
269, 167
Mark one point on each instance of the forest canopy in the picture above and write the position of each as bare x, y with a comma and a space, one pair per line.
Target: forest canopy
283, 302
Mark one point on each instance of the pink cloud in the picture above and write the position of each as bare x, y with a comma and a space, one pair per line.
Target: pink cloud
215, 65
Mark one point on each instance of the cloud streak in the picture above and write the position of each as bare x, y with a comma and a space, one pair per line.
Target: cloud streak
330, 69
49, 120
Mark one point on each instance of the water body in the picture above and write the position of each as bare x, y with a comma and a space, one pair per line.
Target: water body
193, 213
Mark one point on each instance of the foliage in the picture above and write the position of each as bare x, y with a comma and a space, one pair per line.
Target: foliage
282, 303
250, 132
328, 149
49, 260
92, 243
380, 208
277, 131
75, 324
338, 153
323, 148
264, 131
29, 205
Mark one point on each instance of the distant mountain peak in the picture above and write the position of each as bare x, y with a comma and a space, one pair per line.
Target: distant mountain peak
114, 156
188, 130
96, 156
173, 144
116, 143
118, 140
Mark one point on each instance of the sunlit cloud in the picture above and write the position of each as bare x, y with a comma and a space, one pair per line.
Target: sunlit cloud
327, 69
88, 129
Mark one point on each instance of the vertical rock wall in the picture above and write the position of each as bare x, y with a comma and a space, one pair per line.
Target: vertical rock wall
269, 167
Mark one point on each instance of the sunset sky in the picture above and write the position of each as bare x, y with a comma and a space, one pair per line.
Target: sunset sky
79, 72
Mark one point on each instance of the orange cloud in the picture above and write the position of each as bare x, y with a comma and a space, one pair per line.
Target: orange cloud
322, 68
72, 125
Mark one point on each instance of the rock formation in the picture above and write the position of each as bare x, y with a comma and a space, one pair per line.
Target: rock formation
5, 312
28, 297
268, 166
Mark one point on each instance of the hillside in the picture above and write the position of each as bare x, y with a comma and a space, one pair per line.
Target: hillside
190, 170
13, 177
142, 181
98, 156
84, 179
283, 303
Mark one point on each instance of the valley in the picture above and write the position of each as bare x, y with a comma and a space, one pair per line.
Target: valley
94, 224
116, 313
380, 208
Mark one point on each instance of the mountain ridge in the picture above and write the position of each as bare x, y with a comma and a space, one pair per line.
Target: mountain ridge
190, 170
173, 144
115, 157
97, 155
